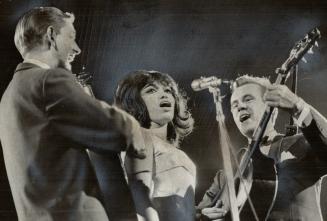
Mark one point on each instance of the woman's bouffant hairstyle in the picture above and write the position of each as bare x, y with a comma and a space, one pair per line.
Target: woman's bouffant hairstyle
129, 99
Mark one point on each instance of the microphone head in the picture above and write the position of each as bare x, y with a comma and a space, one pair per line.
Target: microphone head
195, 85
205, 82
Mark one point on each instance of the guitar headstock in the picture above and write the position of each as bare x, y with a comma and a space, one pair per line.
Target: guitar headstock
302, 47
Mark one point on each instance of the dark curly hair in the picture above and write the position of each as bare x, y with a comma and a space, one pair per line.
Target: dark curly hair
128, 98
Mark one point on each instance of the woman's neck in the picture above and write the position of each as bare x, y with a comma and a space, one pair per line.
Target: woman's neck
159, 131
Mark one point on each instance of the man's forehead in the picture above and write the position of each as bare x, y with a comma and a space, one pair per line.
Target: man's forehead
250, 88
69, 26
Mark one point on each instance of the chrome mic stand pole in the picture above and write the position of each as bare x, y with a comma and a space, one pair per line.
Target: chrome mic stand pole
225, 151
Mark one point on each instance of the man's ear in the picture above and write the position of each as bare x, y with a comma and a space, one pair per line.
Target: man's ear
51, 37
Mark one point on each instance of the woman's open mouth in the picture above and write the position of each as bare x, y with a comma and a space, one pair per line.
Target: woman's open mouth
165, 104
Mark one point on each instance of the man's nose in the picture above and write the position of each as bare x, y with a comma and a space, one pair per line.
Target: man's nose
241, 106
76, 49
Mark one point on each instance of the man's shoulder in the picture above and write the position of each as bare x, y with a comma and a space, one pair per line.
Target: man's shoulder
288, 141
26, 70
32, 79
296, 144
57, 76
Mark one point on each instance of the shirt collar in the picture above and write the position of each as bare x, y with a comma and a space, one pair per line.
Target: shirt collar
37, 62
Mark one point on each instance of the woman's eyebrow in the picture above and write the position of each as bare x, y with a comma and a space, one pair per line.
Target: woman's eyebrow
150, 85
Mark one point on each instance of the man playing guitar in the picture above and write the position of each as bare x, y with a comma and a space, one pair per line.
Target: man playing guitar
299, 160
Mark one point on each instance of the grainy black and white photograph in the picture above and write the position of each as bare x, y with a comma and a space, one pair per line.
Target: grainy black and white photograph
163, 110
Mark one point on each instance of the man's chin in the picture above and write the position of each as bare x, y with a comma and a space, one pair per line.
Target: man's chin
247, 132
68, 66
65, 65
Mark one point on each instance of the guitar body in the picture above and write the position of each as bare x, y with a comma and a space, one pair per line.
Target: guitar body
259, 183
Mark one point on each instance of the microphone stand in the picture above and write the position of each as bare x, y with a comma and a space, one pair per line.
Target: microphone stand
225, 151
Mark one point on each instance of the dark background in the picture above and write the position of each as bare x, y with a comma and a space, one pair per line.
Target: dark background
186, 39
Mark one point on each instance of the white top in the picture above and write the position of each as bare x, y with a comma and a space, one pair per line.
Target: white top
174, 171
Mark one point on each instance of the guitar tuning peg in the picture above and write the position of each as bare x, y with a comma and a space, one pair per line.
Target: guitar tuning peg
316, 43
310, 51
304, 60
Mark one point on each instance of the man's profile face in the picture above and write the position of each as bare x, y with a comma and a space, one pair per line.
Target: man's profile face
67, 47
247, 107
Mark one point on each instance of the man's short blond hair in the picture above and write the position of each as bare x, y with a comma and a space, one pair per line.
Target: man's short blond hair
33, 25
247, 79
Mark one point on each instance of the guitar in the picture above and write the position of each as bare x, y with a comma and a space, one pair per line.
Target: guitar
256, 174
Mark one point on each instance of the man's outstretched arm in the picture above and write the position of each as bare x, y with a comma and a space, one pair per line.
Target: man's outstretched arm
85, 120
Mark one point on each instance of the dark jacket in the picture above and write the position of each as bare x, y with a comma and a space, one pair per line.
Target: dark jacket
46, 121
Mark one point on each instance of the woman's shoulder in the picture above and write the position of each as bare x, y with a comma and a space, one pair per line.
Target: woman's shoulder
135, 165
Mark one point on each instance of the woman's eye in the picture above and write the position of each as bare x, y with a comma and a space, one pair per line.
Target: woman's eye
168, 91
150, 90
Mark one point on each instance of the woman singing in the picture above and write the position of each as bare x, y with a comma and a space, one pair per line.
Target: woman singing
163, 183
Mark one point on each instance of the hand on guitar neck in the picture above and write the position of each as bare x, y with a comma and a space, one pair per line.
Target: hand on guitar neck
280, 96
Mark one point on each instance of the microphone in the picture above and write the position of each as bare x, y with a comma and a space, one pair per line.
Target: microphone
206, 82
